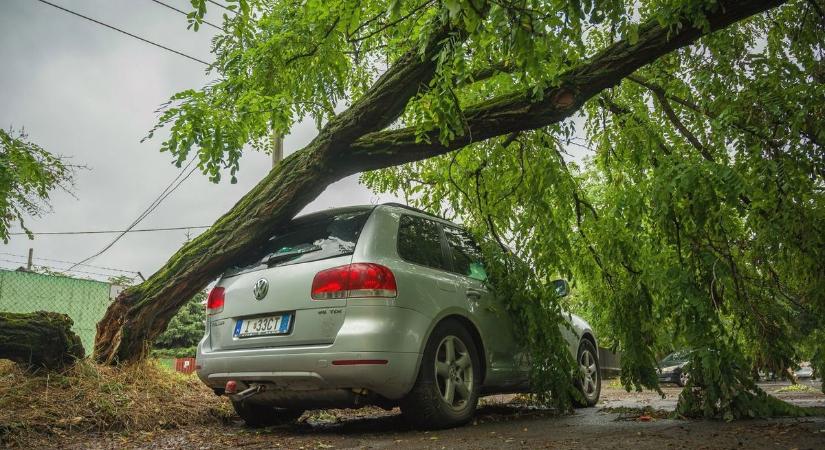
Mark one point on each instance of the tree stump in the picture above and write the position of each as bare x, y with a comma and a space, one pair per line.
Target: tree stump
39, 340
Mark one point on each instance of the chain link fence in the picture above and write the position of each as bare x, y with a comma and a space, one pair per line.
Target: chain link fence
84, 301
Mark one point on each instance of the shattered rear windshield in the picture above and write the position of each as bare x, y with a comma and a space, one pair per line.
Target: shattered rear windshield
307, 240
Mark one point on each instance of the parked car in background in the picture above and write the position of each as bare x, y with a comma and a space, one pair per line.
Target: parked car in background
805, 372
672, 368
384, 305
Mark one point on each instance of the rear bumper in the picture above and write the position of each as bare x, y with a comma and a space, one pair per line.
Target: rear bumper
669, 377
311, 371
299, 376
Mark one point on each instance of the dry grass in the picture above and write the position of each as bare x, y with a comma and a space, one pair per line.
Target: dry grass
89, 397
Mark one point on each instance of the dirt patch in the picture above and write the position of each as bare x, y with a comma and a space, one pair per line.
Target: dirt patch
87, 397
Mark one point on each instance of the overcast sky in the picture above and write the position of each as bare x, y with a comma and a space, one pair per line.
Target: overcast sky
89, 93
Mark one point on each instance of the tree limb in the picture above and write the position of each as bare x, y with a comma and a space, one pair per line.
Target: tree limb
350, 143
519, 111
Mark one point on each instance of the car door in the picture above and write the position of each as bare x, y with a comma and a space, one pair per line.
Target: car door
422, 268
503, 351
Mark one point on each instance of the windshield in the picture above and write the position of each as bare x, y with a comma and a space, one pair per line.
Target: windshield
307, 240
675, 358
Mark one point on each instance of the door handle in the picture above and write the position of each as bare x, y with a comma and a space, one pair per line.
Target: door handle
475, 293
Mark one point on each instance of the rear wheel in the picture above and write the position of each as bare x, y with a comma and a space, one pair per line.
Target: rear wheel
590, 380
446, 390
257, 415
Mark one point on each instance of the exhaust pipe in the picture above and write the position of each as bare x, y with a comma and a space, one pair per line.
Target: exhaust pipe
231, 391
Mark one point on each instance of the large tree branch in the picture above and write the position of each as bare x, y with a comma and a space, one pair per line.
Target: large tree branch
142, 312
519, 112
349, 143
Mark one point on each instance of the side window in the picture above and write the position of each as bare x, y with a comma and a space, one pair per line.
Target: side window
419, 241
467, 258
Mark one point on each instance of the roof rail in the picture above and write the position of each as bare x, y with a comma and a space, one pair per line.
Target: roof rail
412, 208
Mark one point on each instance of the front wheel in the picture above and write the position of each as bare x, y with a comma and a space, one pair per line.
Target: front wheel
590, 379
683, 378
257, 415
446, 390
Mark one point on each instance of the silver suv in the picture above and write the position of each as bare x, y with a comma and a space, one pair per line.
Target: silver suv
384, 305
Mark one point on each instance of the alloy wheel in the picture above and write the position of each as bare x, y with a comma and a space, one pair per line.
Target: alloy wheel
590, 374
454, 372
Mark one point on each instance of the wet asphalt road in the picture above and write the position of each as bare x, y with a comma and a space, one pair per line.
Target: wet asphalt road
500, 425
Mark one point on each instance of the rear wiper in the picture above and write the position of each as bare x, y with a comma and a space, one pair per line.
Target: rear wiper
285, 256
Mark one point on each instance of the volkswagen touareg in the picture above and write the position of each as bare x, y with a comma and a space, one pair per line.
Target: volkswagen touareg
383, 305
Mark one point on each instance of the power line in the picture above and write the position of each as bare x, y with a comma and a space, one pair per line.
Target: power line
124, 32
57, 269
222, 6
24, 257
161, 197
140, 230
185, 14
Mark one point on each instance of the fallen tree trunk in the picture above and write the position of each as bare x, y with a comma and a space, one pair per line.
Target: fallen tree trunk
39, 340
353, 142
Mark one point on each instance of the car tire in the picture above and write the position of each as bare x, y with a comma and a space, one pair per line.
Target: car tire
590, 381
683, 378
257, 415
446, 390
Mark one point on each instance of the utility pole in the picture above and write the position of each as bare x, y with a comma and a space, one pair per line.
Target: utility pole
277, 147
29, 263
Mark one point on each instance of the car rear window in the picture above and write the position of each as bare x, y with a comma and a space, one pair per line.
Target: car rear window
309, 239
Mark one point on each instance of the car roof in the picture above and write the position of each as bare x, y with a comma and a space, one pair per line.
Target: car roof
357, 208
421, 212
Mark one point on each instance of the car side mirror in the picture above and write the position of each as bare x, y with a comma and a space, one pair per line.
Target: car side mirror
561, 287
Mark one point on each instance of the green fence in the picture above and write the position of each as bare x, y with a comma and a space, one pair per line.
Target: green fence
84, 301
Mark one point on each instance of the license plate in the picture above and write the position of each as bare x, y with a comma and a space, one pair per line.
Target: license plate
263, 326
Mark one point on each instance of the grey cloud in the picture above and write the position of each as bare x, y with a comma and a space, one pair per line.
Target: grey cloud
90, 93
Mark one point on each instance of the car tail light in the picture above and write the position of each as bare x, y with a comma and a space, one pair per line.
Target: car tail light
354, 280
215, 301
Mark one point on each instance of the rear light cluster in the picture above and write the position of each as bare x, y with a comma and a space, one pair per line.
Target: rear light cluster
215, 301
354, 280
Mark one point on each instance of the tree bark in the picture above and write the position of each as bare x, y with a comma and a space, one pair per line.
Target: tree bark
39, 340
352, 143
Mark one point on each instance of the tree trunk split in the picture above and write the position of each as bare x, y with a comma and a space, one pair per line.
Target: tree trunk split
39, 340
353, 142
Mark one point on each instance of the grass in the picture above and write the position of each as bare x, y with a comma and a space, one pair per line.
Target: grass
795, 388
631, 413
88, 397
614, 383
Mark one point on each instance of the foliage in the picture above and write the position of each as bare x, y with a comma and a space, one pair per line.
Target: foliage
692, 223
281, 61
535, 309
186, 327
177, 352
28, 173
695, 219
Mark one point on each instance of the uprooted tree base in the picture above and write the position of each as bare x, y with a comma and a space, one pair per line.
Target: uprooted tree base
39, 340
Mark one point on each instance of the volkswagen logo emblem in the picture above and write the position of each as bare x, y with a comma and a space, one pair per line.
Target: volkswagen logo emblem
261, 288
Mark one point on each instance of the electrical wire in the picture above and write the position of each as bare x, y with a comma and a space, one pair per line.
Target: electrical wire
187, 15
57, 269
222, 6
25, 258
163, 195
124, 32
139, 230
